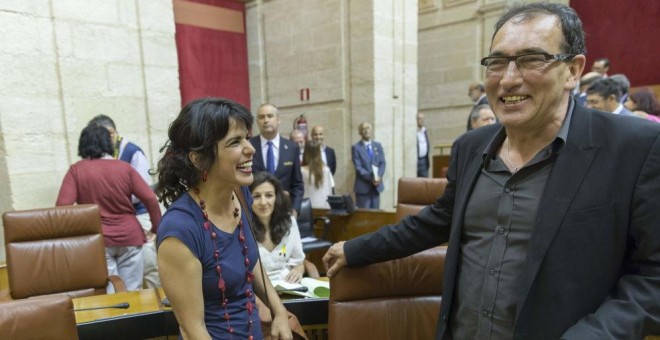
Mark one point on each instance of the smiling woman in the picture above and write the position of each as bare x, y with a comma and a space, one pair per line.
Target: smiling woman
205, 236
276, 230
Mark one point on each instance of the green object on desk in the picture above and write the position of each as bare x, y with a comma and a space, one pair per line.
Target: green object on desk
322, 292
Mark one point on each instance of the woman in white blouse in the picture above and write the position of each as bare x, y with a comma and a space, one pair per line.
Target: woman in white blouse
317, 177
276, 230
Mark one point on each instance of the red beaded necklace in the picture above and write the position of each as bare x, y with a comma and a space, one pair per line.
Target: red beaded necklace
216, 254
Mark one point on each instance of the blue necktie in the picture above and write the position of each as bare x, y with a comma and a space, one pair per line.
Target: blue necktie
270, 158
369, 151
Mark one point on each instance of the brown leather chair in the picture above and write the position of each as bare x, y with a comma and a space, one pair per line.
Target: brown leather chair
44, 317
415, 193
56, 250
397, 299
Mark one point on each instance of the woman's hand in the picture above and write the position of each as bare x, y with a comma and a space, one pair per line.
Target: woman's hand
295, 274
280, 328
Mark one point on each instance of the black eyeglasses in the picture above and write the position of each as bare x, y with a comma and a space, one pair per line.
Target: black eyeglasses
495, 66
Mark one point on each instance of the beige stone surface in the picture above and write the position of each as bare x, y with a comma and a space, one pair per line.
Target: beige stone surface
65, 61
381, 61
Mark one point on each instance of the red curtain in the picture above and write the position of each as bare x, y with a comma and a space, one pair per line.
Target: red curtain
212, 50
625, 32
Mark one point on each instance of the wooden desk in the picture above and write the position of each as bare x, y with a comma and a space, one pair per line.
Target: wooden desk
145, 317
362, 221
148, 318
342, 228
440, 159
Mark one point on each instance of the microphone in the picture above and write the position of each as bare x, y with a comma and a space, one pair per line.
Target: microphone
123, 305
301, 289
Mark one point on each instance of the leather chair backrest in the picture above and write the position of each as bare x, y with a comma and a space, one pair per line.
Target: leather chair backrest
397, 299
415, 193
55, 250
305, 219
45, 317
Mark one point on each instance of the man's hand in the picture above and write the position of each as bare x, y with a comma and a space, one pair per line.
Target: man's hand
334, 259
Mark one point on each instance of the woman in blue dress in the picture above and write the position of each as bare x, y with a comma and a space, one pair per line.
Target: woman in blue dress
207, 256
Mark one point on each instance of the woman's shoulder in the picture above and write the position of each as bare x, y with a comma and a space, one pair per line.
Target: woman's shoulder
181, 221
182, 209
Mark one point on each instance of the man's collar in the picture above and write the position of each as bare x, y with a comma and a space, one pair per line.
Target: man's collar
618, 109
558, 143
276, 140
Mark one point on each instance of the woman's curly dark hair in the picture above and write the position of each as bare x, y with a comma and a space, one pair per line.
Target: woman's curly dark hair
94, 142
199, 127
280, 220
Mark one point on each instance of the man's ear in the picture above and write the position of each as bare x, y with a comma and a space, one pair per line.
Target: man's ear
575, 69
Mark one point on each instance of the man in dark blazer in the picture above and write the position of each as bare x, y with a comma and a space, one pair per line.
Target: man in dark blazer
328, 153
552, 216
369, 162
605, 95
285, 152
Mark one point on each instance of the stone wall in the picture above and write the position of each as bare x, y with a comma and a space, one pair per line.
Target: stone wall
359, 61
65, 61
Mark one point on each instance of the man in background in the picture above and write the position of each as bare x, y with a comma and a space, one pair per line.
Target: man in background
477, 94
298, 137
327, 153
277, 155
585, 82
604, 95
624, 85
482, 115
133, 154
601, 65
369, 162
423, 148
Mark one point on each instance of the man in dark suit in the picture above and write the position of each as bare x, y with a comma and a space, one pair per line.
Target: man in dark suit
277, 155
605, 95
477, 94
369, 161
551, 217
327, 153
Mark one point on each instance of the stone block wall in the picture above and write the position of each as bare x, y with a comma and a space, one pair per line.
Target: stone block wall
358, 60
65, 61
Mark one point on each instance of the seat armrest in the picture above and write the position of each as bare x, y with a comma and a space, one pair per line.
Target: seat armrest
117, 283
326, 225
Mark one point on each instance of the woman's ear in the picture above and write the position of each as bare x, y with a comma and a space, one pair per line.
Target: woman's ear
195, 159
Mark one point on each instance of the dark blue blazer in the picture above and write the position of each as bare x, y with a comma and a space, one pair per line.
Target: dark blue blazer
287, 170
331, 158
593, 265
364, 175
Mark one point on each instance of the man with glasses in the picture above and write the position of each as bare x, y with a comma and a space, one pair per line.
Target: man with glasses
551, 218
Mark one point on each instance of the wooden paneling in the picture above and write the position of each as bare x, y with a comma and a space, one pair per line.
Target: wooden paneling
347, 227
4, 280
